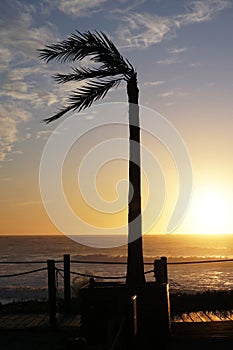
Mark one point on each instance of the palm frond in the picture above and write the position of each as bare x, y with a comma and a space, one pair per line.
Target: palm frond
85, 96
58, 115
80, 74
95, 45
111, 68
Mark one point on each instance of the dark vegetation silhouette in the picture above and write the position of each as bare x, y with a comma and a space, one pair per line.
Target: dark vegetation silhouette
109, 68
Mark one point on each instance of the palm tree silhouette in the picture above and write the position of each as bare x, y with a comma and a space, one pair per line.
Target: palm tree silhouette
111, 69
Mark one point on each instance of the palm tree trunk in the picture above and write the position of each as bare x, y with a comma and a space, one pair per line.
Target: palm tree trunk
135, 268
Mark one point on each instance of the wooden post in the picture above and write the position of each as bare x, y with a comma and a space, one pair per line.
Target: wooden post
164, 269
52, 293
134, 316
158, 271
67, 297
132, 323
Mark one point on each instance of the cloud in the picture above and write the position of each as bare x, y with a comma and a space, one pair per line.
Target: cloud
79, 8
23, 76
19, 37
169, 60
154, 83
144, 29
202, 11
176, 93
177, 51
22, 73
26, 203
5, 179
10, 118
166, 94
43, 134
6, 55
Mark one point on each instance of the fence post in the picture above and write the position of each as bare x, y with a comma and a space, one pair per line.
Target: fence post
158, 271
67, 296
131, 326
164, 269
134, 315
52, 293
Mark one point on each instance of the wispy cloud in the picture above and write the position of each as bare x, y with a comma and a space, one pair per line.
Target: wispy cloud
154, 83
166, 94
20, 38
43, 134
25, 204
78, 8
202, 11
177, 51
10, 118
169, 60
144, 29
5, 179
173, 93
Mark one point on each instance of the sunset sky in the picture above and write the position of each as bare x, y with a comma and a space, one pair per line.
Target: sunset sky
183, 53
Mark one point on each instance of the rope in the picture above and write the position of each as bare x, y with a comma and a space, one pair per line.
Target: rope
114, 262
94, 276
98, 262
104, 262
150, 271
198, 262
59, 273
97, 276
23, 273
23, 262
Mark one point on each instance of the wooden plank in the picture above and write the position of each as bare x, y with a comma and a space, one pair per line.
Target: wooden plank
177, 318
204, 330
27, 321
43, 322
195, 317
3, 320
203, 316
186, 318
222, 315
76, 321
21, 321
66, 320
229, 315
11, 322
212, 316
37, 321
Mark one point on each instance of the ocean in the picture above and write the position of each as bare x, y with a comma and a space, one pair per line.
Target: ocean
191, 278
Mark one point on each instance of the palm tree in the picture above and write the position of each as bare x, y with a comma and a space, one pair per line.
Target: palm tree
109, 70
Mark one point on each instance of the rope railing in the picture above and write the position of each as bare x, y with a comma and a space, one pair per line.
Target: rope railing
62, 276
199, 262
21, 262
100, 262
97, 276
53, 271
114, 262
23, 273
104, 262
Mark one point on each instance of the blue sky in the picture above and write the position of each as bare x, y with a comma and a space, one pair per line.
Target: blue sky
182, 51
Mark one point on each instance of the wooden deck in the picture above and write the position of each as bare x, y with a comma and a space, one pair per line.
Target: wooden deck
32, 321
204, 316
201, 330
37, 321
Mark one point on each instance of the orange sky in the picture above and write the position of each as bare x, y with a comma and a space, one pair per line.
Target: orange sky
183, 54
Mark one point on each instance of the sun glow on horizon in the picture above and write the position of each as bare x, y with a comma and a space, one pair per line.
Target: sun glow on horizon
211, 211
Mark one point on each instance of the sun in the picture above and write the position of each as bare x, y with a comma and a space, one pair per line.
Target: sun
212, 211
